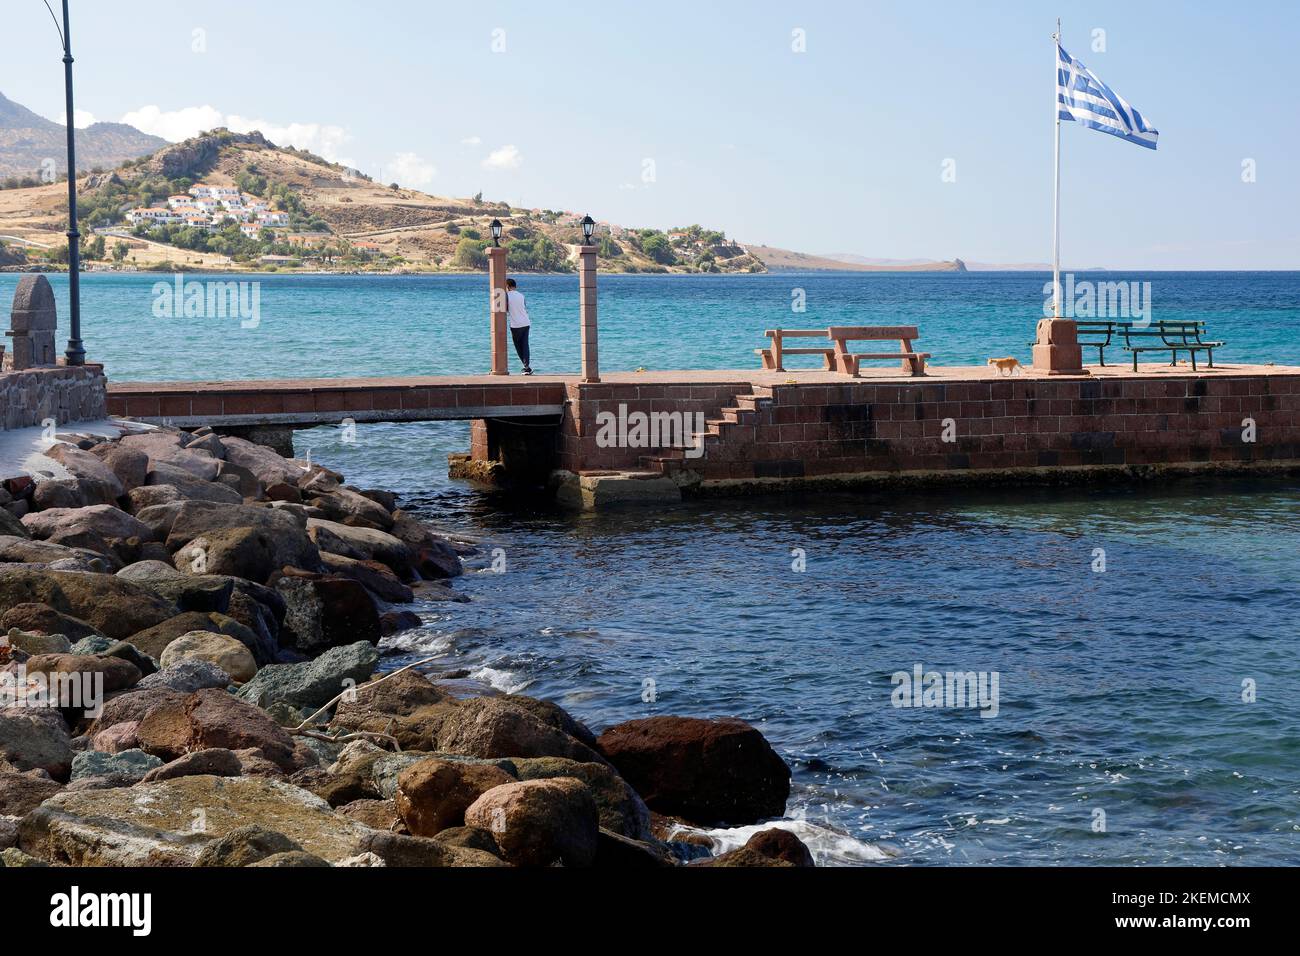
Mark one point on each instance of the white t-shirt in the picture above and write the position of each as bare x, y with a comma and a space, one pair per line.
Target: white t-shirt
516, 311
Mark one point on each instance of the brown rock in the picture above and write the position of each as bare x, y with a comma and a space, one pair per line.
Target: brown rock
492, 727
214, 762
213, 718
20, 793
540, 822
433, 794
378, 814
116, 607
396, 849
118, 674
46, 620
779, 844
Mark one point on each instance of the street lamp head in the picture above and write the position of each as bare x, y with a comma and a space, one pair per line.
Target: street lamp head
588, 227
496, 232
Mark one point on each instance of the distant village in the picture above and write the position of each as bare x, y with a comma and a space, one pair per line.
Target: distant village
211, 207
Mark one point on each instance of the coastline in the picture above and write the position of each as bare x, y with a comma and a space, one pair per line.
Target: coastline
228, 604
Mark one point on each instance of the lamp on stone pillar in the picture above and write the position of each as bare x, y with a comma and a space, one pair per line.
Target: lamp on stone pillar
587, 302
497, 302
495, 227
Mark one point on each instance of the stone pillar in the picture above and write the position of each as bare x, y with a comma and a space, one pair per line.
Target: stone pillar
587, 313
1057, 350
33, 322
497, 307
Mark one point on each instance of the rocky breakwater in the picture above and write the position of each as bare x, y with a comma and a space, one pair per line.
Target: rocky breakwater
189, 677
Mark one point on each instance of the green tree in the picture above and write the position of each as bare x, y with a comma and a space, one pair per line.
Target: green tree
470, 254
119, 252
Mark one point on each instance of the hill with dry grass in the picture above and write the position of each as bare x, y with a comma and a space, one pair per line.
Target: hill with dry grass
339, 219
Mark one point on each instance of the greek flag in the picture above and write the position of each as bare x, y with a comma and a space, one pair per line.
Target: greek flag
1084, 98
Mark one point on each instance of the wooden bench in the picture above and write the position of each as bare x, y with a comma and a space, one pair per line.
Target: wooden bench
848, 362
773, 357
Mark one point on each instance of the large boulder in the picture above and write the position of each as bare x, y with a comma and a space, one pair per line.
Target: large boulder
38, 642
115, 607
116, 673
180, 489
406, 706
226, 653
397, 849
621, 810
154, 640
324, 611
129, 465
99, 484
709, 772
127, 766
21, 793
377, 578
348, 507
263, 462
213, 718
106, 521
58, 493
540, 822
435, 557
20, 549
312, 683
171, 822
44, 619
363, 544
491, 727
203, 592
213, 762
245, 846
433, 795
292, 547
36, 739
187, 676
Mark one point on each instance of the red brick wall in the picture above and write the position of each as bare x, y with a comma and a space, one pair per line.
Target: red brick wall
816, 430
579, 450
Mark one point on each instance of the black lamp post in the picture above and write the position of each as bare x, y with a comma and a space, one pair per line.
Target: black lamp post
496, 232
76, 353
588, 227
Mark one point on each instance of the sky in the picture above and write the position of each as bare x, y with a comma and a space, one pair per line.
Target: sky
883, 129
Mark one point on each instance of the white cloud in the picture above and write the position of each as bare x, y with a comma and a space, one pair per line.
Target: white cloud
176, 125
82, 118
471, 141
507, 157
322, 140
410, 170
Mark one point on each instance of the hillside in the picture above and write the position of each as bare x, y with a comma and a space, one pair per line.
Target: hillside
337, 219
783, 260
28, 142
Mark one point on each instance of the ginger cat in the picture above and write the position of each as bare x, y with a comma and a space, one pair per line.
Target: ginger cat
1008, 365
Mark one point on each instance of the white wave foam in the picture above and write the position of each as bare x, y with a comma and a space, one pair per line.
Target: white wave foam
506, 681
828, 847
417, 641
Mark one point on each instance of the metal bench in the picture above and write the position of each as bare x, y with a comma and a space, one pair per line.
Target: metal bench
1174, 337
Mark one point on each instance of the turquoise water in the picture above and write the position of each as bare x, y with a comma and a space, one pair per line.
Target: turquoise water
1120, 690
406, 325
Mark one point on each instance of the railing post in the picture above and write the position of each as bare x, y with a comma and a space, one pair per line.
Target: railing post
587, 310
497, 308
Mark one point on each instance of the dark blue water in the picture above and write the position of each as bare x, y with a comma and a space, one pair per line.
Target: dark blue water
1120, 691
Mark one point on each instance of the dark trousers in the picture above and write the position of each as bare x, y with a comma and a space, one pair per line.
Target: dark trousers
521, 344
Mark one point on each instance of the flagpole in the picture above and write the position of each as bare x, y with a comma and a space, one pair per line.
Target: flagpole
1056, 190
